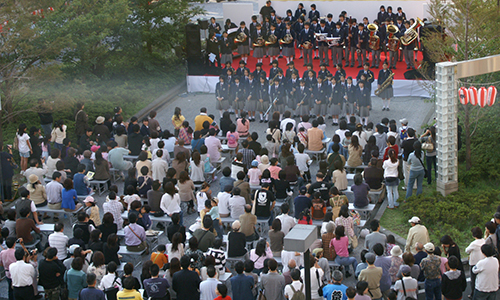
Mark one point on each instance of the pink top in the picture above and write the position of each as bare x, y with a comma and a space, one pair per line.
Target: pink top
444, 260
259, 260
253, 176
213, 145
242, 129
232, 139
274, 170
341, 246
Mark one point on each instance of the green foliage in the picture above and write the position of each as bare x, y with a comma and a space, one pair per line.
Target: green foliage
454, 214
484, 148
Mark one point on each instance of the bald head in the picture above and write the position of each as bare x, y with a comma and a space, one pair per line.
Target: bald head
248, 208
292, 264
419, 246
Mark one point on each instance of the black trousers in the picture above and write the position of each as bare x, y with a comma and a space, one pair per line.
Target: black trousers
24, 293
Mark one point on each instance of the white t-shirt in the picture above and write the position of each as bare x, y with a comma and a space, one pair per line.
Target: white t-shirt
302, 160
287, 223
23, 142
297, 285
223, 202
315, 284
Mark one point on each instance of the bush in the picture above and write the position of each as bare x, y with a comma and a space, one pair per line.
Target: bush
454, 214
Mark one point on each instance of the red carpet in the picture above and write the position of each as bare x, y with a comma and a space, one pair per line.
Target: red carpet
353, 72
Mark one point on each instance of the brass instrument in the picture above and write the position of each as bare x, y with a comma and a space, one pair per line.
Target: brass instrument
392, 41
320, 37
260, 42
287, 39
349, 34
333, 41
307, 45
271, 82
240, 38
358, 45
411, 33
271, 40
374, 42
384, 85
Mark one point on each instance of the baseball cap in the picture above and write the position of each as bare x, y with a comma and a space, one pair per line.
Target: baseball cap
303, 189
403, 121
236, 225
429, 247
414, 220
405, 269
72, 248
255, 163
89, 199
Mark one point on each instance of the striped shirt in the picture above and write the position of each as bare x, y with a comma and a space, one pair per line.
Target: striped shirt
115, 208
54, 192
220, 258
59, 241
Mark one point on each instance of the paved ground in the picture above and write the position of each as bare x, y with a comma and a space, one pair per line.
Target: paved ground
414, 109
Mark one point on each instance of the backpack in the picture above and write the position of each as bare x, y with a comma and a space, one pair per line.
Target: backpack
231, 139
208, 166
298, 295
356, 218
404, 133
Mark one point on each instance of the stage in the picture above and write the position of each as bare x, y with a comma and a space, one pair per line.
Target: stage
402, 87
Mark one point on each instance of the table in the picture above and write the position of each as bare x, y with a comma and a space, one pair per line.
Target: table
46, 229
152, 240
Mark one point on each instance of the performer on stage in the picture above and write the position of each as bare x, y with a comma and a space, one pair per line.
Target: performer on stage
222, 95
337, 49
287, 44
303, 98
388, 92
244, 42
335, 101
361, 38
262, 91
363, 101
323, 46
226, 49
252, 95
238, 95
291, 90
273, 49
258, 40
350, 98
307, 43
277, 96
321, 93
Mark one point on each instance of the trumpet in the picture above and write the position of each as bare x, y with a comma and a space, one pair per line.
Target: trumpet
411, 33
272, 39
240, 38
333, 41
320, 37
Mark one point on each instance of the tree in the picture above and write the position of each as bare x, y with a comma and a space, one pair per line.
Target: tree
470, 30
162, 22
25, 50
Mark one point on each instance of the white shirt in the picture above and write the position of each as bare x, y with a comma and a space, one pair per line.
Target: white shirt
297, 285
107, 282
487, 274
23, 141
54, 192
237, 205
302, 160
207, 289
390, 168
287, 222
59, 241
22, 274
286, 121
223, 202
287, 255
314, 281
159, 168
197, 171
170, 204
474, 251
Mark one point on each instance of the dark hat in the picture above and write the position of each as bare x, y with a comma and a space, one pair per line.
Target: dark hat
303, 190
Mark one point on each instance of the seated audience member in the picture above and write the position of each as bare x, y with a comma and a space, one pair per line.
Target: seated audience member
205, 235
236, 241
135, 236
59, 241
156, 287
26, 228
81, 181
111, 279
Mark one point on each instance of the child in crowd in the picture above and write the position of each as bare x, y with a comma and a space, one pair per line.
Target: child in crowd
222, 292
362, 291
146, 146
302, 135
289, 133
131, 196
145, 220
238, 166
274, 169
202, 195
81, 182
144, 182
318, 210
92, 210
46, 147
391, 242
154, 141
254, 174
271, 146
305, 217
160, 257
303, 161
232, 137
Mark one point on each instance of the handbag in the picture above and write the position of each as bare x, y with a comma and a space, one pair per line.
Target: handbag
112, 290
261, 295
63, 292
428, 145
142, 243
353, 240
425, 173
321, 286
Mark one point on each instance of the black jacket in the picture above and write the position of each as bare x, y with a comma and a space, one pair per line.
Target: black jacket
48, 270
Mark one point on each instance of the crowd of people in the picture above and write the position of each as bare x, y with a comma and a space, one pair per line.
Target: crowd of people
266, 190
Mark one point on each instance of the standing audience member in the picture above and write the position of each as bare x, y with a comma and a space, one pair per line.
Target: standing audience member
336, 287
407, 287
372, 275
453, 282
475, 254
486, 271
242, 284
273, 283
186, 283
208, 287
90, 292
52, 272
417, 234
22, 274
431, 268
8, 257
59, 241
129, 290
75, 278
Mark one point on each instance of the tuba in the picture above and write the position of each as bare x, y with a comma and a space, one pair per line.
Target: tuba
240, 38
259, 42
411, 33
272, 39
287, 39
374, 42
392, 41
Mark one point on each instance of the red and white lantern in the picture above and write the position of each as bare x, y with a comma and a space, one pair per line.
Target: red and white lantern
463, 95
491, 95
473, 96
482, 96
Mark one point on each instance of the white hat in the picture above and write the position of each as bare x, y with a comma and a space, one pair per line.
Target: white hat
396, 251
429, 247
403, 121
414, 220
89, 199
100, 120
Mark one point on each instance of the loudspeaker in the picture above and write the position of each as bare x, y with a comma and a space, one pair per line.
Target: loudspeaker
193, 41
413, 74
196, 66
203, 24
